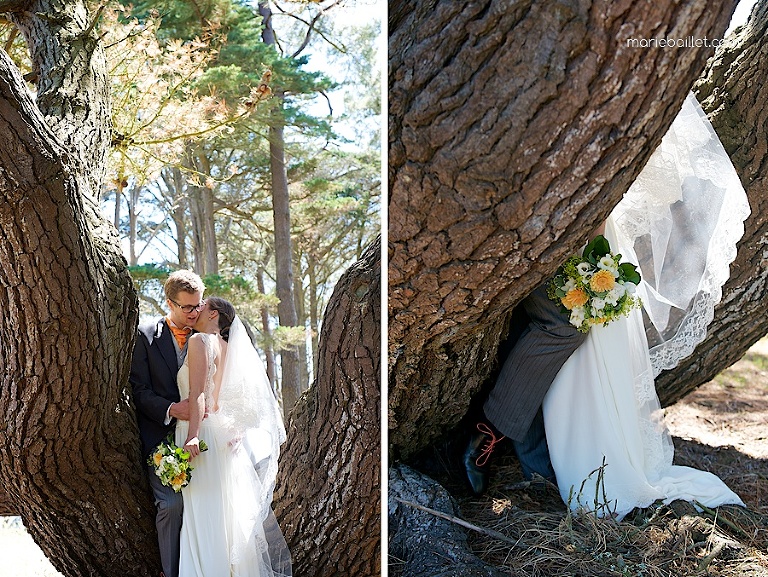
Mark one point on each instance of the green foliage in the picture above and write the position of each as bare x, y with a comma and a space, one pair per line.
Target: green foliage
238, 290
149, 272
597, 248
242, 56
334, 181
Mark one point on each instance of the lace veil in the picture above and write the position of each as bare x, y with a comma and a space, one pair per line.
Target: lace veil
250, 412
680, 222
682, 218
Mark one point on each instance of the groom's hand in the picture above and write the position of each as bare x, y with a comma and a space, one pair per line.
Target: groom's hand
180, 410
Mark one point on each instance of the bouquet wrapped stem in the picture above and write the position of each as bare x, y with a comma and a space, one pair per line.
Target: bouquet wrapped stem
596, 287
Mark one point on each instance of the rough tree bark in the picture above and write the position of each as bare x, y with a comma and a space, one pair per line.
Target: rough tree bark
334, 434
515, 127
70, 462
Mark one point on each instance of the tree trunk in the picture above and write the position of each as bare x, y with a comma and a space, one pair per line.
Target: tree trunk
178, 204
332, 527
286, 309
133, 222
71, 461
301, 320
211, 244
314, 316
731, 93
515, 127
201, 213
7, 507
266, 330
118, 201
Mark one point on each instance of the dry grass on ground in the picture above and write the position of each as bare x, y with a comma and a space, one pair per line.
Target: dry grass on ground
722, 427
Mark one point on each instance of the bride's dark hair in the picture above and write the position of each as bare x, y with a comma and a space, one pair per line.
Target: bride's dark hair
226, 314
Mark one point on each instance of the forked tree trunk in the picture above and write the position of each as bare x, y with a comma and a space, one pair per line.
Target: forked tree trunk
332, 527
515, 127
70, 461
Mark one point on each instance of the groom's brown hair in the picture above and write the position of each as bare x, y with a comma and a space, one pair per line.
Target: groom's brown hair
183, 280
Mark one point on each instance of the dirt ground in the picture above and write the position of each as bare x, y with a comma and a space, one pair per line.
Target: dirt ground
722, 427
731, 410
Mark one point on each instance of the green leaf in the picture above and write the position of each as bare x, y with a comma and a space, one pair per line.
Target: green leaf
629, 273
597, 248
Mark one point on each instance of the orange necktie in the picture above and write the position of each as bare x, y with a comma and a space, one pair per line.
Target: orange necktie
181, 335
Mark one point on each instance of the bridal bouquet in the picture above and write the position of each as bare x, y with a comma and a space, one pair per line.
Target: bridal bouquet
595, 288
171, 464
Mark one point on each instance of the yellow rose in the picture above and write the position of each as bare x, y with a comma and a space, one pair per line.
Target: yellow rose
602, 281
158, 458
575, 298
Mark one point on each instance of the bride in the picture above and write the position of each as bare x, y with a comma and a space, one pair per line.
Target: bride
679, 222
228, 525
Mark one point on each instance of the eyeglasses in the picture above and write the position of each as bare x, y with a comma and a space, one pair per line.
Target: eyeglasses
186, 309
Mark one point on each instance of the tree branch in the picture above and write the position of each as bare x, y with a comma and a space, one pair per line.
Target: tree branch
25, 125
514, 129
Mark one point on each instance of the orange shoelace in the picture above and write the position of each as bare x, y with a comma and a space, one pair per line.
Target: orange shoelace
485, 454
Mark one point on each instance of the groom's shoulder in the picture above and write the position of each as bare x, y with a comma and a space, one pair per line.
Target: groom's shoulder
152, 329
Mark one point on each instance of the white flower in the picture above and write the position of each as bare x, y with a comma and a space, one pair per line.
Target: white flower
614, 295
630, 287
569, 285
584, 268
607, 263
598, 304
577, 317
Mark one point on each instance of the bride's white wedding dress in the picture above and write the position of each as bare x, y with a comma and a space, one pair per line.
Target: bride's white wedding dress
228, 525
605, 430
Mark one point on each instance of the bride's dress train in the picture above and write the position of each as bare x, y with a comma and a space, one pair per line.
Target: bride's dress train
605, 428
228, 525
594, 417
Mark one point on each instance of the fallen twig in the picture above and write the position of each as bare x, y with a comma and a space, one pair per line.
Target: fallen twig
704, 563
458, 521
719, 517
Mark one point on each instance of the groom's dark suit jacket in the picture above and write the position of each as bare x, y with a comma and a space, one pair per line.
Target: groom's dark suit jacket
153, 379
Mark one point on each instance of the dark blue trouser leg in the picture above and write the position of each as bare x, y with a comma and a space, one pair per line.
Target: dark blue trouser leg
532, 451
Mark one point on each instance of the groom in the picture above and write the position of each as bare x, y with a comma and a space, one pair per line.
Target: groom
161, 346
513, 408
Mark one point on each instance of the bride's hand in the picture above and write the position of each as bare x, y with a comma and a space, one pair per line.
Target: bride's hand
192, 446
